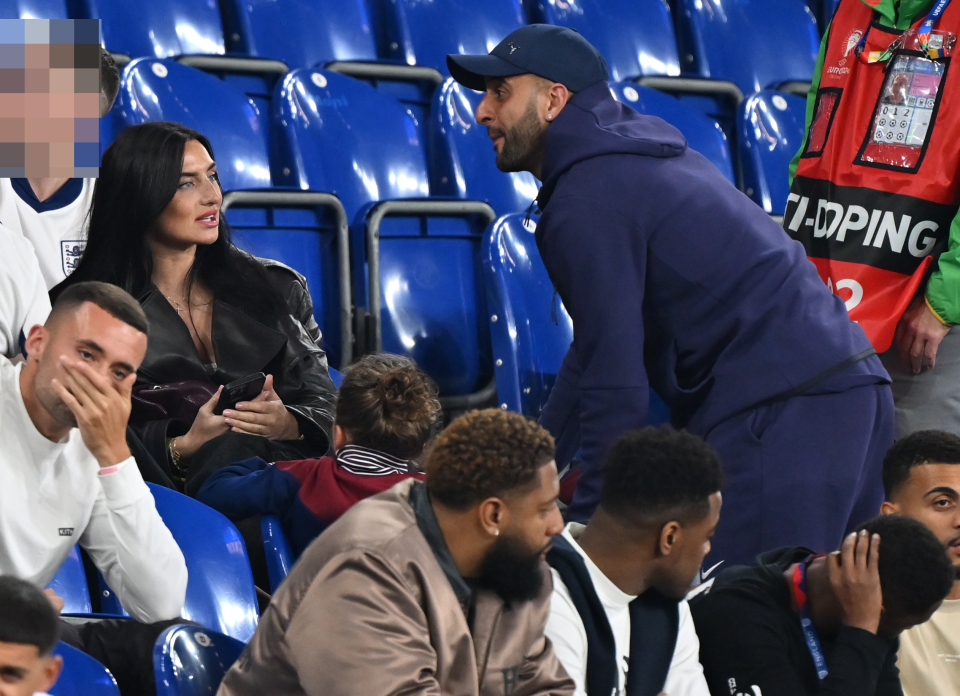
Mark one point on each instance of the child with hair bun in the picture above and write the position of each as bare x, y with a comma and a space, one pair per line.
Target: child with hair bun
387, 411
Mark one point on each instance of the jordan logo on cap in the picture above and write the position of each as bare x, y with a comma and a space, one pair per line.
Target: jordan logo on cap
513, 49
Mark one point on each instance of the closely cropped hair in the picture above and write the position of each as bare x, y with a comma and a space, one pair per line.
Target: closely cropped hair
109, 76
388, 404
915, 570
654, 475
916, 449
26, 616
485, 454
111, 299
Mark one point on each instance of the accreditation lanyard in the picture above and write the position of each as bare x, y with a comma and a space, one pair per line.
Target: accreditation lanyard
923, 38
806, 620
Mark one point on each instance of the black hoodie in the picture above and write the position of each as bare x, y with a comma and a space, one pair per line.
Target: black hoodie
674, 280
751, 642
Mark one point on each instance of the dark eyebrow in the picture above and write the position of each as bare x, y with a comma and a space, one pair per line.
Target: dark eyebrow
943, 490
194, 175
95, 347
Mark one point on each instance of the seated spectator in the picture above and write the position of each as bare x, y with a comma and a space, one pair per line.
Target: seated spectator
798, 623
921, 476
29, 631
217, 314
618, 621
431, 587
67, 474
51, 212
387, 409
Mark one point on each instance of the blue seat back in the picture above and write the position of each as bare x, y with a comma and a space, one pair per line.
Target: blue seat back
337, 134
164, 90
82, 675
462, 160
220, 590
423, 33
532, 331
33, 9
279, 556
527, 344
192, 660
70, 583
755, 44
341, 135
703, 134
301, 33
158, 29
771, 127
636, 37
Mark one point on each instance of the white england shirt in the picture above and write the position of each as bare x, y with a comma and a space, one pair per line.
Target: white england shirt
55, 227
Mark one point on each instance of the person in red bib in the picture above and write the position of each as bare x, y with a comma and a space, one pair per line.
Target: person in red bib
387, 410
875, 192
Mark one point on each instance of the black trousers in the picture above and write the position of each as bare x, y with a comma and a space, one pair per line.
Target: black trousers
123, 646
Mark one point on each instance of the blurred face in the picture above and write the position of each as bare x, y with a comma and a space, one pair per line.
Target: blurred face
193, 216
511, 111
87, 334
932, 496
513, 566
691, 543
23, 671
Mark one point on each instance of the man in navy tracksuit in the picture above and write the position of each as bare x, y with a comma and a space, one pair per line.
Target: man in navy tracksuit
676, 281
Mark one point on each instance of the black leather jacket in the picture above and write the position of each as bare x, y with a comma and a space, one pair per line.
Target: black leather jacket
287, 348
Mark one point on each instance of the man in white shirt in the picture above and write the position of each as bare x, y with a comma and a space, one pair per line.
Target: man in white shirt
66, 470
618, 620
921, 477
28, 634
51, 212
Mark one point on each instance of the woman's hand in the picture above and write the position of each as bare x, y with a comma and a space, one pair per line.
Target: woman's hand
205, 427
265, 416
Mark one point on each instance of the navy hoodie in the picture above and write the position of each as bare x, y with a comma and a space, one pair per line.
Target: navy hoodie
674, 280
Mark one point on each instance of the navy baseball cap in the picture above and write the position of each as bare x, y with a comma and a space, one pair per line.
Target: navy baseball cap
555, 53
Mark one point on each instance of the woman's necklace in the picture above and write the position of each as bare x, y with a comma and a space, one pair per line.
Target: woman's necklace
179, 308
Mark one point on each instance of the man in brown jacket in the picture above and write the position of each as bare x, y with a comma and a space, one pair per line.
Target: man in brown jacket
430, 588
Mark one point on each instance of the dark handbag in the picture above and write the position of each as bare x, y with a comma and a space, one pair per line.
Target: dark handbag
179, 401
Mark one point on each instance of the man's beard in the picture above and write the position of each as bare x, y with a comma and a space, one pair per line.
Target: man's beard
54, 405
512, 570
521, 144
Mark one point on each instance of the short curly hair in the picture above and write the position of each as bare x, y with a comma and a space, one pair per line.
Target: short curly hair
916, 449
653, 475
484, 454
915, 571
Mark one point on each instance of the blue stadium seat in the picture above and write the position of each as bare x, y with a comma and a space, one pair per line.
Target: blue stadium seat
70, 583
703, 134
192, 660
423, 292
279, 556
156, 29
423, 33
635, 36
755, 45
771, 128
462, 160
301, 229
33, 9
337, 377
301, 33
163, 90
220, 591
530, 329
82, 675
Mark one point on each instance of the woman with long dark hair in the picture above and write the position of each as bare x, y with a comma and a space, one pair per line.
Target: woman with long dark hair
217, 314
